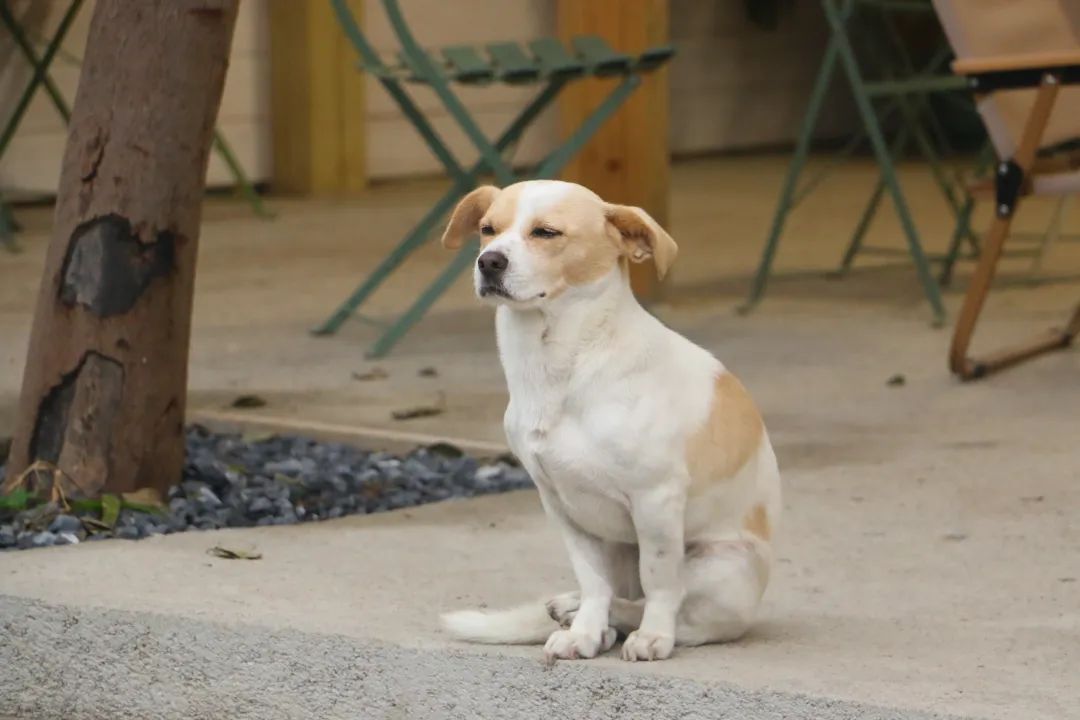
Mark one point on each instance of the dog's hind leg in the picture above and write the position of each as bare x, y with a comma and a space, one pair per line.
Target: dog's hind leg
725, 580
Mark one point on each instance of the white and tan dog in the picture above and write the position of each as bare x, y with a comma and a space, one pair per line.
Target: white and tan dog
649, 455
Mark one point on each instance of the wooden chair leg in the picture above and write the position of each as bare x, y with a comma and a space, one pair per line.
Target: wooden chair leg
993, 243
1008, 185
969, 368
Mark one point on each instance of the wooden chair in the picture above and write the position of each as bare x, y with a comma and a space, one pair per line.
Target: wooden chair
1022, 61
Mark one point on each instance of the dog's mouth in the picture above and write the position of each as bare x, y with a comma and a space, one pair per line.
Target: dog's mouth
488, 290
498, 291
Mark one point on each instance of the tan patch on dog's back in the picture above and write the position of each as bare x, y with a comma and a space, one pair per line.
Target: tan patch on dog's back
730, 436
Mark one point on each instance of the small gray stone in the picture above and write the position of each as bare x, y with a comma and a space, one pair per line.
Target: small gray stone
207, 498
488, 472
65, 524
67, 538
260, 506
292, 466
7, 536
43, 539
128, 532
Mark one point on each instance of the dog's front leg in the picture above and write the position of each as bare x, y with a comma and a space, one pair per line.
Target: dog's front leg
589, 633
658, 520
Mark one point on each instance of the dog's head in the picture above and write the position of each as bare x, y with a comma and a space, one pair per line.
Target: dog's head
542, 238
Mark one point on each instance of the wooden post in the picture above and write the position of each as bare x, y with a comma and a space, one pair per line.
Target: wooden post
628, 161
317, 100
105, 385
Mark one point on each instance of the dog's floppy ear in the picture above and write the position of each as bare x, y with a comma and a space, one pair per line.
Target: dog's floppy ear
642, 237
467, 214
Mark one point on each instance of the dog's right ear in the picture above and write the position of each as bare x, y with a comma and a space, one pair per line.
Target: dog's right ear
466, 218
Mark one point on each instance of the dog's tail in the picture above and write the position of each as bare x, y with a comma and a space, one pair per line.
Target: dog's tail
523, 625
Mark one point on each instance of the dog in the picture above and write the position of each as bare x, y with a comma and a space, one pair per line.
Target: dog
649, 456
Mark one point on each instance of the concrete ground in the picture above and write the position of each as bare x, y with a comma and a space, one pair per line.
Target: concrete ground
930, 560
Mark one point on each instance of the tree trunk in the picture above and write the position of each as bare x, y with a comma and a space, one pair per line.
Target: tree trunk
106, 377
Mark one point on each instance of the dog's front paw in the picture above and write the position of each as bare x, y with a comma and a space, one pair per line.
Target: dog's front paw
647, 646
569, 645
563, 608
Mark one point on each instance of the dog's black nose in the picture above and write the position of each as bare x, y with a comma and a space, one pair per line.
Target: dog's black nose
492, 263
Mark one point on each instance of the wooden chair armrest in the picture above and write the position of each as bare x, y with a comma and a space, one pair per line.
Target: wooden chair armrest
1025, 61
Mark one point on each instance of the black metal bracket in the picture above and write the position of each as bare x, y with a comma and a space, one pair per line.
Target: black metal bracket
1026, 78
1007, 183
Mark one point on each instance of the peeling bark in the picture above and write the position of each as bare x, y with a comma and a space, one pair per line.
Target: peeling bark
105, 383
107, 268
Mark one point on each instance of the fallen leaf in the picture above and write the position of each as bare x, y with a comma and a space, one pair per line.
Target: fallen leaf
897, 380
446, 450
376, 373
146, 496
93, 525
246, 402
110, 510
234, 553
428, 372
421, 411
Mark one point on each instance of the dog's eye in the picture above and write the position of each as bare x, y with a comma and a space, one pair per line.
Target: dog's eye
487, 230
545, 232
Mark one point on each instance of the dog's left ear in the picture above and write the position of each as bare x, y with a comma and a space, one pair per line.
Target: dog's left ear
642, 237
467, 215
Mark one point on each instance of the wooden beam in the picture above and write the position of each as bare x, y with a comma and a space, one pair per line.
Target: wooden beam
317, 100
628, 161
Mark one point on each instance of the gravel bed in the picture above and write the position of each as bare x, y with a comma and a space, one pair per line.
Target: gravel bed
229, 481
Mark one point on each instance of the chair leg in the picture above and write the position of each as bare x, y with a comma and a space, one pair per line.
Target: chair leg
961, 230
40, 69
416, 237
993, 243
791, 180
1008, 182
240, 178
462, 261
7, 229
969, 368
861, 228
881, 151
870, 211
1053, 232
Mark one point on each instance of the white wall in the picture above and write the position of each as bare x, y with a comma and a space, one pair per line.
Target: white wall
32, 161
735, 85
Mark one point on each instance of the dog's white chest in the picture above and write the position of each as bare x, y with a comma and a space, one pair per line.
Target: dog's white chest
570, 462
569, 442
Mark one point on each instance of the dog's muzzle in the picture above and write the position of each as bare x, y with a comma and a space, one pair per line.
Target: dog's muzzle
492, 266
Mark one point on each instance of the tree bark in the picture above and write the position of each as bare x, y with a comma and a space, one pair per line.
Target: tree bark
104, 389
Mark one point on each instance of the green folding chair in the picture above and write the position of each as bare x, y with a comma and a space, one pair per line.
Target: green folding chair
905, 88
42, 78
546, 62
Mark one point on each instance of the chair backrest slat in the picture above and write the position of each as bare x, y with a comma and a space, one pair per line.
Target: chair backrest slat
991, 28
